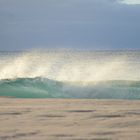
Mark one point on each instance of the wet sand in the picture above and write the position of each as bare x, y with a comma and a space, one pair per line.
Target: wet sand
66, 119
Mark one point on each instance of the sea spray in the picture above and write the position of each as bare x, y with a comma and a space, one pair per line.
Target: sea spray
70, 74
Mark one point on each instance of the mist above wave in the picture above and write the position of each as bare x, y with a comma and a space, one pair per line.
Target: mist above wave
71, 66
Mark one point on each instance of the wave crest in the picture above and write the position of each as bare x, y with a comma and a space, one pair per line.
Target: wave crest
46, 88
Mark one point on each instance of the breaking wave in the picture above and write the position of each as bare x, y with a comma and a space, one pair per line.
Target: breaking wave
46, 88
70, 74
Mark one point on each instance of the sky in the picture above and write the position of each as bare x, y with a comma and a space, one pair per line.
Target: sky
69, 24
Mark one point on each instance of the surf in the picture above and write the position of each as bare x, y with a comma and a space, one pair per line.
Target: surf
70, 74
46, 88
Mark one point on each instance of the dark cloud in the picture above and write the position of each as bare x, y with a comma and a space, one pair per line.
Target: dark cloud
91, 24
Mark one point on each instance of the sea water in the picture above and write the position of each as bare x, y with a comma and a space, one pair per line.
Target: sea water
70, 74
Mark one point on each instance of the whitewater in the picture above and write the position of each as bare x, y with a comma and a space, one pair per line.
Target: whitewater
70, 74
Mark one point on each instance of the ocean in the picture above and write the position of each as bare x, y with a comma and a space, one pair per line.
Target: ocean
70, 74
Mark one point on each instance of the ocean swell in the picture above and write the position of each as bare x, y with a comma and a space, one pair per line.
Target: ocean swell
46, 88
70, 74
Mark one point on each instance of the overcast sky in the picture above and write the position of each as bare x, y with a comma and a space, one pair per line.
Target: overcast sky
79, 24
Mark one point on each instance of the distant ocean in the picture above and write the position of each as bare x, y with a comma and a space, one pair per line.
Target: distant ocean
70, 74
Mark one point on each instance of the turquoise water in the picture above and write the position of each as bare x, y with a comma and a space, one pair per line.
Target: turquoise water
59, 74
45, 88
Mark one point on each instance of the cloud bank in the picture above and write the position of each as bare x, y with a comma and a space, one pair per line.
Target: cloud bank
133, 2
81, 24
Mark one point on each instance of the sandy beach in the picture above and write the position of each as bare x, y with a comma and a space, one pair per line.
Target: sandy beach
67, 119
